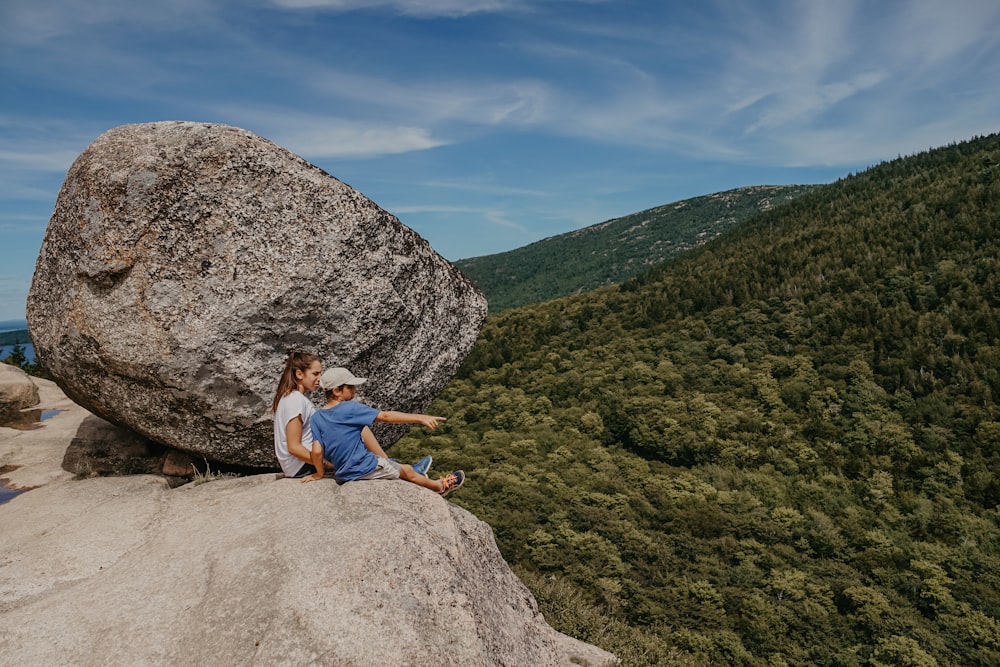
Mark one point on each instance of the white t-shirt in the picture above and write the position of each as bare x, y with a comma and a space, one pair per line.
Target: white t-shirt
291, 406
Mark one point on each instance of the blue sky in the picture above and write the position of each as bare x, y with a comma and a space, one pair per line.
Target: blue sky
486, 125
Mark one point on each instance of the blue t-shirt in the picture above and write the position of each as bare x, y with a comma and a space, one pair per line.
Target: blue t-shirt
338, 429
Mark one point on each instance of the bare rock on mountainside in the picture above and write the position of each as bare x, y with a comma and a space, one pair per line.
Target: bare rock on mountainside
249, 571
259, 571
184, 260
17, 391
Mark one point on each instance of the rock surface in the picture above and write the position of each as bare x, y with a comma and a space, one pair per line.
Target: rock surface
101, 449
33, 457
252, 571
184, 260
17, 391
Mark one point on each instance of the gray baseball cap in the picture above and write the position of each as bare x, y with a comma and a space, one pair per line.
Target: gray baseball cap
334, 377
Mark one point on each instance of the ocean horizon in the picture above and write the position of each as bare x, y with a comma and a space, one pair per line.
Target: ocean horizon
13, 325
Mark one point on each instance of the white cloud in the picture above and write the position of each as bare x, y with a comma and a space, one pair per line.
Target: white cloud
804, 103
840, 83
336, 138
418, 8
43, 20
13, 189
436, 99
930, 32
316, 136
48, 158
483, 188
493, 216
762, 74
502, 220
36, 152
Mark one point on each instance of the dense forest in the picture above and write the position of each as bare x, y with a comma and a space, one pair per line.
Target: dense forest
16, 349
781, 448
617, 249
15, 337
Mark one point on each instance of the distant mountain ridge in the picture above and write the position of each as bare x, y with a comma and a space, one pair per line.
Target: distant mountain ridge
617, 249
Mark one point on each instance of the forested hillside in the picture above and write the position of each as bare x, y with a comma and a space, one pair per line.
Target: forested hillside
19, 336
779, 449
613, 251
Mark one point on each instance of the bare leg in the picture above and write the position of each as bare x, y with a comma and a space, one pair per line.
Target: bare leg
371, 443
407, 472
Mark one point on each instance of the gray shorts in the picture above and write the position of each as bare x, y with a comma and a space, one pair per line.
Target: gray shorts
385, 469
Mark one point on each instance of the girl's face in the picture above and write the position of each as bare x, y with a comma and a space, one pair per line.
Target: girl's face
309, 380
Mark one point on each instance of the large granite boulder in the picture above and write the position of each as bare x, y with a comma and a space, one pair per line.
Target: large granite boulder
17, 391
184, 260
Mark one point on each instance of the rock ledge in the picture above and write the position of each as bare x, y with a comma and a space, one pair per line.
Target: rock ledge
252, 571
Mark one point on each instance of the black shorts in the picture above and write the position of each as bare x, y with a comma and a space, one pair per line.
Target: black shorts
307, 469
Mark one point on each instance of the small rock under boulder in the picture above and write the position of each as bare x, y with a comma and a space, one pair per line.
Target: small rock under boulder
17, 391
101, 449
184, 260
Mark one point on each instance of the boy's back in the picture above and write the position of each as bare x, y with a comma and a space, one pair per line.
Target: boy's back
338, 429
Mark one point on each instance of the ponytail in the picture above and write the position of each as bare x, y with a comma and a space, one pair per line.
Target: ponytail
297, 361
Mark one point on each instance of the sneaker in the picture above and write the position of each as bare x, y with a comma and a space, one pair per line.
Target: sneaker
451, 482
423, 465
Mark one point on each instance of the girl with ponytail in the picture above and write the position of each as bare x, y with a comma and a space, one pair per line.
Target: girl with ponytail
293, 438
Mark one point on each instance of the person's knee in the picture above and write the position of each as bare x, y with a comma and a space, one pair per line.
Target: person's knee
407, 472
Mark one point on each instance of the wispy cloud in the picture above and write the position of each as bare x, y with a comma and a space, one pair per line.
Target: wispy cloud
482, 188
51, 159
798, 69
480, 100
419, 8
930, 33
493, 216
334, 138
30, 145
315, 136
35, 154
494, 121
825, 83
22, 224
33, 22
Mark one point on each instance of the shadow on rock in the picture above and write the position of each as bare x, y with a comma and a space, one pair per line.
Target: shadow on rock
102, 449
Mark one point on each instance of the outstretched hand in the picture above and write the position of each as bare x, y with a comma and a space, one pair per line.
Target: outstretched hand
431, 422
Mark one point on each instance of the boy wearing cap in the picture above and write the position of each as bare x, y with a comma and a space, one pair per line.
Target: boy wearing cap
338, 426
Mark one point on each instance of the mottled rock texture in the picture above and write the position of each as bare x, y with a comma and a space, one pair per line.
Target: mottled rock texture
184, 260
17, 391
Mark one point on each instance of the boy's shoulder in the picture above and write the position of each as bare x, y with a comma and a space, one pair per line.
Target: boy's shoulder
358, 405
346, 408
